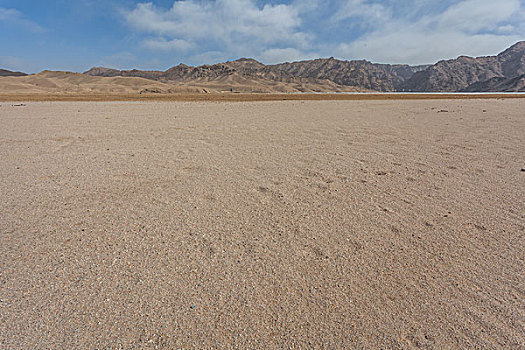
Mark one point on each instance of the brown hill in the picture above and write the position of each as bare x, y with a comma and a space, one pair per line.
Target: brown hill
8, 73
455, 75
339, 75
458, 74
492, 73
499, 84
67, 82
75, 83
373, 76
243, 75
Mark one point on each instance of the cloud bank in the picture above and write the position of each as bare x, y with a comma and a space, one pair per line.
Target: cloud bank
471, 27
394, 31
233, 27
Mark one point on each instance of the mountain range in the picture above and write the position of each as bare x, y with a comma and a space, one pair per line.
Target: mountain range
361, 75
8, 73
502, 73
491, 73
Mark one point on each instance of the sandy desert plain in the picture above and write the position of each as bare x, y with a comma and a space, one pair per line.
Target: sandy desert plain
363, 223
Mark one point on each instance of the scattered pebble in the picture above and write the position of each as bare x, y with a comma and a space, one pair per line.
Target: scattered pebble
442, 111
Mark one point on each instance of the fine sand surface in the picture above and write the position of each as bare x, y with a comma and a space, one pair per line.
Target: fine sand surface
291, 224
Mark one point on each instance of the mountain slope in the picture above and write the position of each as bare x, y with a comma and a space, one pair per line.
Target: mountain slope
8, 73
359, 75
500, 73
499, 84
373, 76
458, 74
68, 82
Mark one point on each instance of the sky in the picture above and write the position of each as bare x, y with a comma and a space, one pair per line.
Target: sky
76, 35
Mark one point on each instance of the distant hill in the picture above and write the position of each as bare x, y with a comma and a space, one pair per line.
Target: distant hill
77, 83
373, 76
360, 75
243, 75
498, 84
502, 73
470, 74
8, 73
461, 74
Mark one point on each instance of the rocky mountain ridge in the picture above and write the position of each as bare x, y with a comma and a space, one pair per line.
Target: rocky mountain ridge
500, 73
464, 73
373, 76
516, 84
470, 74
359, 74
8, 73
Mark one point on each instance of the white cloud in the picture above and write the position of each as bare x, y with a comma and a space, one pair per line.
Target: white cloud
472, 16
15, 17
167, 45
209, 57
222, 21
470, 27
303, 6
8, 13
393, 31
419, 48
272, 56
506, 29
369, 13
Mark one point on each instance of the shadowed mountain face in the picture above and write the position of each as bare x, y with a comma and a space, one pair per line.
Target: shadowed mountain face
360, 74
471, 74
180, 79
246, 75
492, 73
501, 73
8, 73
373, 76
516, 84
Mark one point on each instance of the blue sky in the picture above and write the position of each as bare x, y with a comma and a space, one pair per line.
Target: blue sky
78, 34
